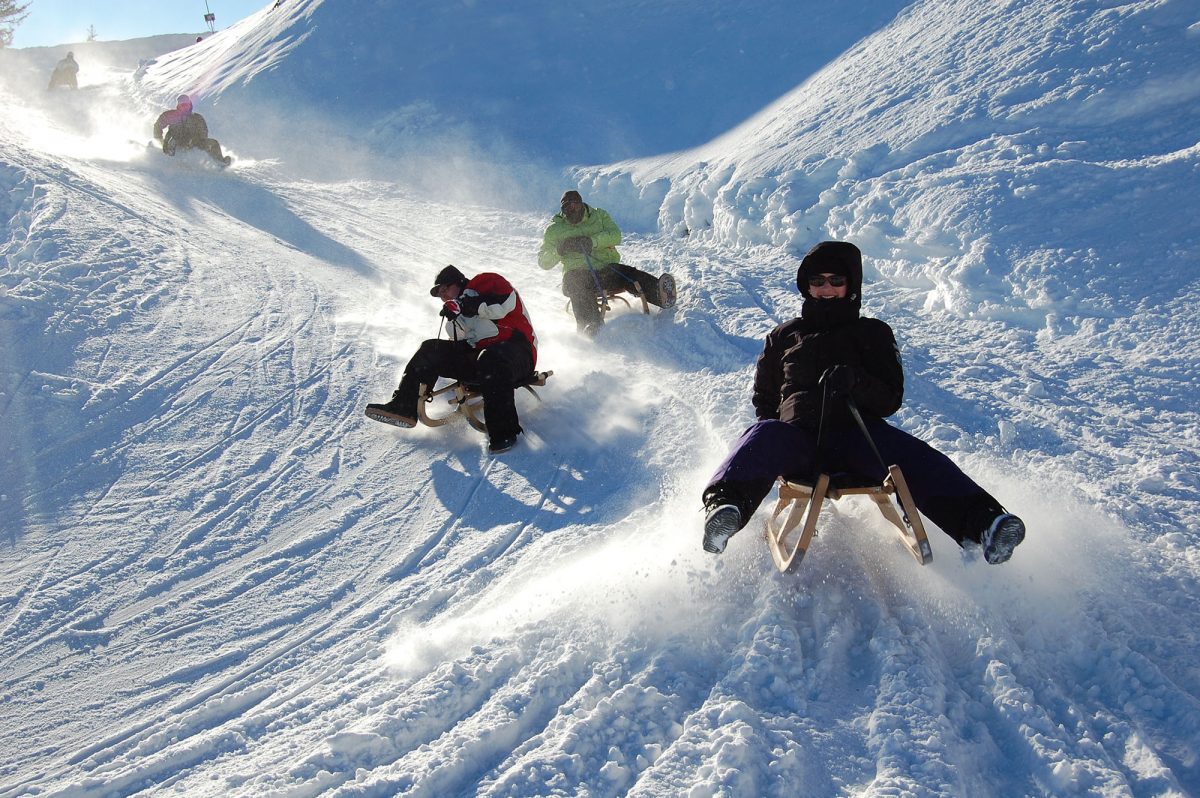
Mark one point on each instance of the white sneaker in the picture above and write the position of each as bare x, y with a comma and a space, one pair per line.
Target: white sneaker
1003, 535
720, 526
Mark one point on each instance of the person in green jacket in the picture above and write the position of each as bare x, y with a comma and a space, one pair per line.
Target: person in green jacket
584, 239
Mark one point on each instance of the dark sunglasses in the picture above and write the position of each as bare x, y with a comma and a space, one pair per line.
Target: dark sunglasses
818, 280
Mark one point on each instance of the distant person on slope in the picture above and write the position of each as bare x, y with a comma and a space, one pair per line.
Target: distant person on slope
585, 240
491, 344
66, 73
181, 127
808, 369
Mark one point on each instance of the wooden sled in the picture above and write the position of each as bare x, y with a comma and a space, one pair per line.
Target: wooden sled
467, 401
604, 303
803, 502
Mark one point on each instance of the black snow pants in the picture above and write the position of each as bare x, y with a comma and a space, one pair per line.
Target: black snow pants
580, 286
495, 370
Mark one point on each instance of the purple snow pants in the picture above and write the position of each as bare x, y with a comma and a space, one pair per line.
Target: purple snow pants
771, 449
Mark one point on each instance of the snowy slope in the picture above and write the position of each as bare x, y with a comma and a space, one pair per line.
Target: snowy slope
218, 578
585, 82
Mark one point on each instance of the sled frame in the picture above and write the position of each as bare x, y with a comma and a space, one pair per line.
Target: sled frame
604, 301
467, 401
799, 506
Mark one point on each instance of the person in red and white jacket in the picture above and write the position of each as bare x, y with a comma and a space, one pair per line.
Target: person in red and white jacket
490, 344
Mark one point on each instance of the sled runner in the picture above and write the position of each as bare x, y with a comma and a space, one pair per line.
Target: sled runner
799, 506
467, 400
604, 301
604, 296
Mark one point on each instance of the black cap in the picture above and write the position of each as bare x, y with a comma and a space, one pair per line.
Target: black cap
448, 276
570, 196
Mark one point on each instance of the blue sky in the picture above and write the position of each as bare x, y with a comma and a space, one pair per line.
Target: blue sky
67, 21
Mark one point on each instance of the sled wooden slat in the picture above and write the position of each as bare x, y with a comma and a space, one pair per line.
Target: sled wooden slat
467, 401
799, 507
787, 556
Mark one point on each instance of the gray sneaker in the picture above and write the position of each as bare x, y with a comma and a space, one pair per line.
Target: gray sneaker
720, 525
1003, 535
666, 291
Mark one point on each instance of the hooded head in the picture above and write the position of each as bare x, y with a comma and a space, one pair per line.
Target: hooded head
183, 104
448, 276
833, 257
572, 206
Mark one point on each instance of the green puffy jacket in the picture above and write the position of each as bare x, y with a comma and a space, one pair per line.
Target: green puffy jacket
596, 224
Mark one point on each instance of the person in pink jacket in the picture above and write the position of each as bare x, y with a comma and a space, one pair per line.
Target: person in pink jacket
489, 343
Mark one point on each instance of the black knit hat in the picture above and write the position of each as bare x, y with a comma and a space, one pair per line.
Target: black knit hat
570, 196
448, 276
832, 257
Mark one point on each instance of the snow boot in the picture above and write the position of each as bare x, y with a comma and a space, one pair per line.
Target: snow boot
720, 525
502, 445
392, 413
666, 291
1004, 534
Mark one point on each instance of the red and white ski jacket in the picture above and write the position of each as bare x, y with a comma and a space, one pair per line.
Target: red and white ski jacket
492, 311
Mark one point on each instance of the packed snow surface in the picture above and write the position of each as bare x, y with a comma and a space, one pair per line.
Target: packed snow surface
218, 578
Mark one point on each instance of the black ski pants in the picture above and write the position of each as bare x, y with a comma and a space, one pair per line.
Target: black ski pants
495, 370
580, 286
172, 144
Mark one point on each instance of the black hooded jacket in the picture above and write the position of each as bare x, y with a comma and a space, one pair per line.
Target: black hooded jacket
829, 332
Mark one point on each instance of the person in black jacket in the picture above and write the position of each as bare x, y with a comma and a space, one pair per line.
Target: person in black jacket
807, 371
66, 73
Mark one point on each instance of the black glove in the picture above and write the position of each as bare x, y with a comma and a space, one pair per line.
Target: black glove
451, 310
469, 304
582, 244
839, 380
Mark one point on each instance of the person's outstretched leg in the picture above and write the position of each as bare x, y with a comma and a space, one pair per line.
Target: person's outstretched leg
659, 291
213, 148
433, 359
940, 489
766, 451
